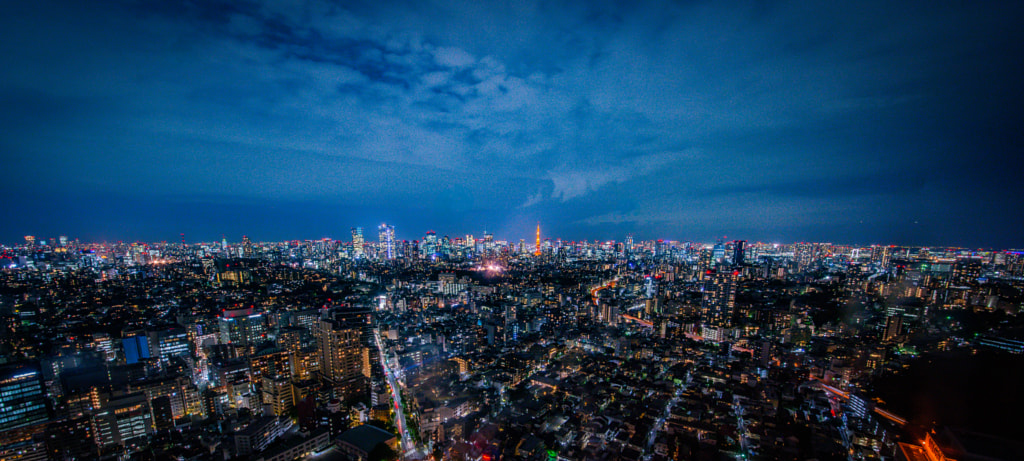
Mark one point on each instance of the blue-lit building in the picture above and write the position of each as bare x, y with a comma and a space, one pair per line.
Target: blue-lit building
136, 347
22, 396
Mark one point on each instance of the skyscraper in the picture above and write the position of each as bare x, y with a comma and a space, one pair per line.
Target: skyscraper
718, 252
738, 252
719, 300
357, 242
342, 355
386, 237
430, 245
893, 324
242, 326
246, 247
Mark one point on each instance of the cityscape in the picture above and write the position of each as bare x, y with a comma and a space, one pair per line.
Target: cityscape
482, 348
511, 230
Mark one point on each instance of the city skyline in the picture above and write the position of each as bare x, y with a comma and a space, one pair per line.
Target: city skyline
53, 241
783, 122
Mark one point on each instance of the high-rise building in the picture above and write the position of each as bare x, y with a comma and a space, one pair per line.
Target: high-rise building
30, 240
893, 324
880, 255
259, 434
718, 252
362, 318
357, 243
719, 299
609, 314
386, 237
429, 246
277, 394
22, 396
163, 413
704, 261
271, 362
245, 327
341, 353
739, 252
803, 255
247, 250
168, 342
660, 248
124, 420
70, 438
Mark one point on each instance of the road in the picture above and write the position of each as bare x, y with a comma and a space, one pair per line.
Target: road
661, 421
593, 291
741, 428
408, 446
879, 411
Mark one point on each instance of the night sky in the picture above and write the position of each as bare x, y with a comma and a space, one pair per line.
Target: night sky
850, 122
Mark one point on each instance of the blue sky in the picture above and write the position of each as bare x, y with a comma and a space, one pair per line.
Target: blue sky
773, 121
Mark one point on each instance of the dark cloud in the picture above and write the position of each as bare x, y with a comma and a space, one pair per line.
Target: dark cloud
688, 120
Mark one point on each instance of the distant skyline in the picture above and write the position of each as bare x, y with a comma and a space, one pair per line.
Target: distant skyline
874, 122
370, 237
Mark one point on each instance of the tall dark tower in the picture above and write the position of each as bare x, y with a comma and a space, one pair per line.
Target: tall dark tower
738, 252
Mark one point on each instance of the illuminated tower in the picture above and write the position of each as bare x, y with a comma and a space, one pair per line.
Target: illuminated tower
30, 240
718, 252
536, 248
357, 242
429, 247
386, 236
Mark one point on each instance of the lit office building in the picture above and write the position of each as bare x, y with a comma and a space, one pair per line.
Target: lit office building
22, 397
